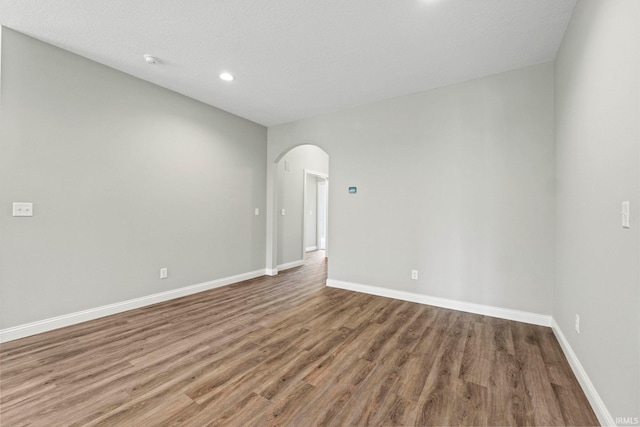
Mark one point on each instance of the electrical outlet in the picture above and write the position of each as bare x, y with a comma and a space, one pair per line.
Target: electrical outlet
22, 209
256, 212
414, 274
163, 273
577, 326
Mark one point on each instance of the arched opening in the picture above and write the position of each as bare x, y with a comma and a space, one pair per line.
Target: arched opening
297, 207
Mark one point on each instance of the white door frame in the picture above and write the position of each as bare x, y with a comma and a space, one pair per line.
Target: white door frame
304, 210
322, 183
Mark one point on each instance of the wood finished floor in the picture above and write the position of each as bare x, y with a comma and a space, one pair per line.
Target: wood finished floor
287, 350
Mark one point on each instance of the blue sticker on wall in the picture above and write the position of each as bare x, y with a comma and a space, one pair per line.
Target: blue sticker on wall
353, 190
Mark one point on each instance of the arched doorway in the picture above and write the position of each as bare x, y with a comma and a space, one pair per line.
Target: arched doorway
292, 206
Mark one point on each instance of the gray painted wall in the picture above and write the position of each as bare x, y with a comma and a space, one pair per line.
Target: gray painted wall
290, 198
126, 178
598, 167
456, 182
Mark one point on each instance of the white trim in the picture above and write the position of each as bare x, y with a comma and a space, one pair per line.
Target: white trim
311, 248
603, 414
21, 331
291, 264
271, 271
316, 173
486, 310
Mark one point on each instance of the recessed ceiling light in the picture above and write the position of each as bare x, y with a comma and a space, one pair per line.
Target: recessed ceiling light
150, 59
227, 77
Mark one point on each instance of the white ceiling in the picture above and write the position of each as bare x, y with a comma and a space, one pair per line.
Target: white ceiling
299, 58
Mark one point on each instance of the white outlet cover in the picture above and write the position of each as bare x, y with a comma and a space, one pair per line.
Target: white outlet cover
625, 214
256, 212
22, 209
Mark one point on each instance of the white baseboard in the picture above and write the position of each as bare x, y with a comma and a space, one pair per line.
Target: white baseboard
603, 414
271, 271
291, 264
311, 248
283, 267
486, 310
21, 331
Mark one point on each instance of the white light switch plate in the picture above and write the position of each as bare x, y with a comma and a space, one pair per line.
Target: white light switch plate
625, 214
22, 209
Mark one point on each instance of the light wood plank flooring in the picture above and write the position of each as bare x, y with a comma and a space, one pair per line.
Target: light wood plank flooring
287, 350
